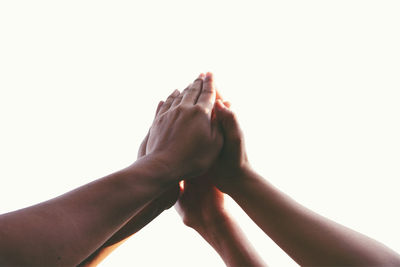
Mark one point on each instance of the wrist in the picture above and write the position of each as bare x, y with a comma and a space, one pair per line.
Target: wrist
168, 164
212, 223
232, 184
150, 174
219, 231
163, 171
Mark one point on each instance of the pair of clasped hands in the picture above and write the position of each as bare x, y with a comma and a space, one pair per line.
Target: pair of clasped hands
197, 136
193, 153
196, 140
196, 145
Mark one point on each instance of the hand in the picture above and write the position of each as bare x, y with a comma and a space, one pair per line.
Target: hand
167, 199
201, 206
154, 208
200, 203
183, 137
232, 163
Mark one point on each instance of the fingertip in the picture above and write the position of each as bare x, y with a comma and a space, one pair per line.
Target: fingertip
209, 76
220, 105
160, 104
218, 94
187, 87
173, 94
227, 104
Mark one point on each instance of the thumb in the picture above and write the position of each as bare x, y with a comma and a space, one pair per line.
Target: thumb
227, 120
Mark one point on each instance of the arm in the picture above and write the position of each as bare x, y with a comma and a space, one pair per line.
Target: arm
229, 241
201, 208
67, 229
309, 238
139, 220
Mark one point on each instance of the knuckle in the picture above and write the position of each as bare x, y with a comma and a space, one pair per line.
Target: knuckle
207, 91
192, 90
159, 120
176, 101
197, 109
180, 108
227, 117
236, 138
231, 117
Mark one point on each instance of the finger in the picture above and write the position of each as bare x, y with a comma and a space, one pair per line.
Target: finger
193, 92
227, 104
143, 145
168, 102
227, 120
218, 94
158, 108
207, 95
178, 99
142, 148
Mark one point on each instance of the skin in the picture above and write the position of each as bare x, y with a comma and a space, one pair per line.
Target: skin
139, 220
190, 137
68, 229
201, 206
182, 117
307, 237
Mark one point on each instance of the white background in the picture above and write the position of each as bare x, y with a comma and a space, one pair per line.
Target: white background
315, 85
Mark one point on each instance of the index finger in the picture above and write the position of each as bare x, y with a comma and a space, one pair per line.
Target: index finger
193, 92
207, 95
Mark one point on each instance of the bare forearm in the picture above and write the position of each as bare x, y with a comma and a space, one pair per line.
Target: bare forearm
130, 228
228, 240
67, 229
137, 222
307, 237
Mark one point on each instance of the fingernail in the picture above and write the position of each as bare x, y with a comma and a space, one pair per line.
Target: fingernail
201, 75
